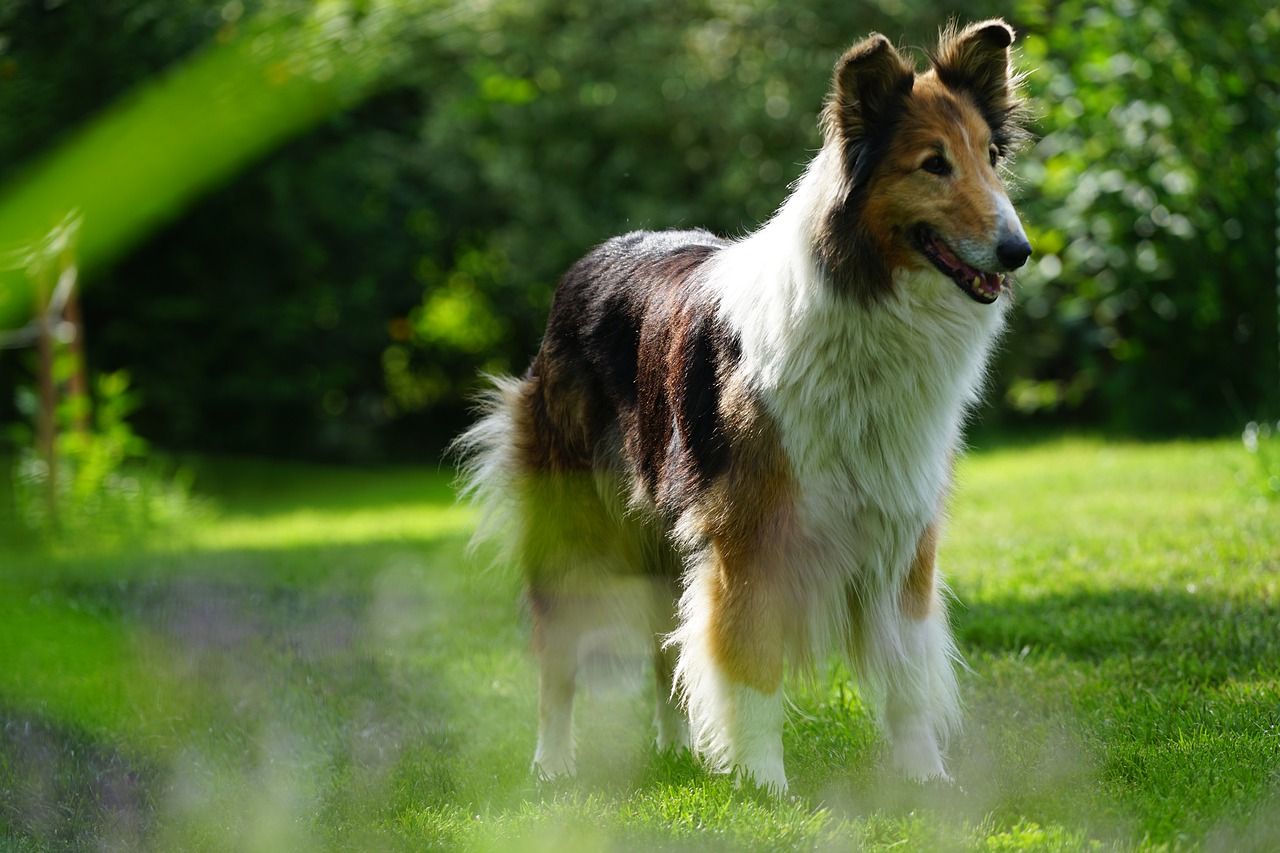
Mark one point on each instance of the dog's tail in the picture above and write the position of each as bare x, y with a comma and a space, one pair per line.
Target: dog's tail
487, 465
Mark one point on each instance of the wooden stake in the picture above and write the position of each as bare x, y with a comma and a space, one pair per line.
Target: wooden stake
46, 420
78, 383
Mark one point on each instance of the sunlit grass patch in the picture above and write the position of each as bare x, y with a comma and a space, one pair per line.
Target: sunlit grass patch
413, 523
317, 664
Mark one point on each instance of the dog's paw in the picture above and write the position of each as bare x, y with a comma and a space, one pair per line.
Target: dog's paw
919, 759
673, 736
939, 778
552, 768
767, 781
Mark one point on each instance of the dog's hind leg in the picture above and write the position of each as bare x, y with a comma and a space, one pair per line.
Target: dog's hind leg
565, 550
669, 717
557, 636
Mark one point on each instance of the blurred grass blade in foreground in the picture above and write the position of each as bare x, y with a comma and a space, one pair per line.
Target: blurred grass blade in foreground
177, 136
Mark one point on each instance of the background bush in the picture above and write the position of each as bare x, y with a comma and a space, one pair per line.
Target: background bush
338, 298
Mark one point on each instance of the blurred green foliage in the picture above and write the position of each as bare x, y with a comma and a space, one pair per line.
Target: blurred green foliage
340, 297
102, 489
1262, 442
1152, 199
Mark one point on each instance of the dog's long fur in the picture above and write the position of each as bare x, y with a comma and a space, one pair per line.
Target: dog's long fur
743, 448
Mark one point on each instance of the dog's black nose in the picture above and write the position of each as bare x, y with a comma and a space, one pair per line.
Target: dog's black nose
1013, 251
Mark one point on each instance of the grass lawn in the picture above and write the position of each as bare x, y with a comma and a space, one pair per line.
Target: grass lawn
315, 664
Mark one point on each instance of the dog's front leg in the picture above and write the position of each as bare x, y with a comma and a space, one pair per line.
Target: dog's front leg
729, 670
922, 701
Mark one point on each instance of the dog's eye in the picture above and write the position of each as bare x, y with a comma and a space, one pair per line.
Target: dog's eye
936, 165
995, 155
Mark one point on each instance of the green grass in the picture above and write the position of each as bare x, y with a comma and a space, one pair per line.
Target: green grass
315, 664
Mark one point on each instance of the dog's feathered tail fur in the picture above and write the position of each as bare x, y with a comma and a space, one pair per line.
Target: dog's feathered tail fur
488, 468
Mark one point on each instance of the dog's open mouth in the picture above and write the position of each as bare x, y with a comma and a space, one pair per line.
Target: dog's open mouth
980, 286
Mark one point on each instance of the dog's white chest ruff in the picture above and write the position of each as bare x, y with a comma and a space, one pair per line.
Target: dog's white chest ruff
870, 400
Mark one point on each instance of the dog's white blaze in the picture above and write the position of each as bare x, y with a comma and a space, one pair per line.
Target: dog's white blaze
1006, 217
1007, 222
982, 253
869, 402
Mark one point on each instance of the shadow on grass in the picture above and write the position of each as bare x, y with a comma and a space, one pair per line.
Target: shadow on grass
240, 482
64, 791
1205, 637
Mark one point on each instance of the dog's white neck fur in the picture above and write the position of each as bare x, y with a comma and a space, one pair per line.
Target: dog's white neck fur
868, 396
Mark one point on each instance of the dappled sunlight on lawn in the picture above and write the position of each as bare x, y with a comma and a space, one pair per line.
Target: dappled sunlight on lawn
411, 523
312, 505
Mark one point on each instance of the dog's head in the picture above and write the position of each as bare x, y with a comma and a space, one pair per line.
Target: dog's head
921, 157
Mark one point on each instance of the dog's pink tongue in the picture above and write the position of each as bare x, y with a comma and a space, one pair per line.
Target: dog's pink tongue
991, 280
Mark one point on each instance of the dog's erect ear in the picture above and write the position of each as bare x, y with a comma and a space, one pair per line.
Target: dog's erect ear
871, 79
871, 84
976, 60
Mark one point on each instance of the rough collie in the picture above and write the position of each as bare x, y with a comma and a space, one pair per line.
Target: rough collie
743, 447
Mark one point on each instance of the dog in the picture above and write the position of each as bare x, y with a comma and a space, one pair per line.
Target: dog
743, 448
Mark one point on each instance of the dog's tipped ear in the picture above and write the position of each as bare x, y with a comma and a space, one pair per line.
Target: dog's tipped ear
976, 59
871, 78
